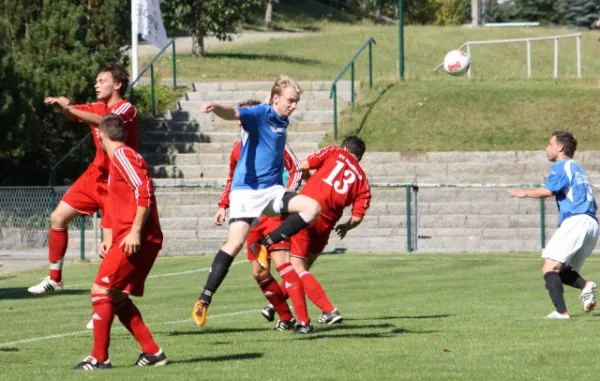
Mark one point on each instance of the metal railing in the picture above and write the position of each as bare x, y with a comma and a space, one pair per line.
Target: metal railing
333, 92
81, 144
528, 41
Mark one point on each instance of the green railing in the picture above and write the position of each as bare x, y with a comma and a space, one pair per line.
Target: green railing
350, 65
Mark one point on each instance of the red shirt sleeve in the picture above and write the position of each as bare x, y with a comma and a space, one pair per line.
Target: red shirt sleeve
135, 172
362, 201
294, 168
88, 107
127, 112
318, 158
233, 159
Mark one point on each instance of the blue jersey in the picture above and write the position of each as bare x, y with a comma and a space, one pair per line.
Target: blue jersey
572, 189
261, 162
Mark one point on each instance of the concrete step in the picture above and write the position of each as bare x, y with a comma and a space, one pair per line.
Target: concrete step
198, 159
303, 105
297, 116
220, 137
222, 148
306, 86
260, 95
168, 126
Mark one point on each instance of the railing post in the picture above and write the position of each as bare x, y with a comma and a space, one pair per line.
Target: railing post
543, 222
152, 90
408, 221
528, 59
352, 85
470, 66
416, 217
556, 58
174, 55
578, 40
335, 126
82, 237
370, 64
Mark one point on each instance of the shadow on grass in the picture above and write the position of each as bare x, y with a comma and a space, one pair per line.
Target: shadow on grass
344, 326
374, 335
209, 331
9, 349
232, 357
402, 317
22, 293
268, 57
371, 105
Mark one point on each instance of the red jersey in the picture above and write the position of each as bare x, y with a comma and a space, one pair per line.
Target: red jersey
129, 114
130, 186
338, 182
291, 164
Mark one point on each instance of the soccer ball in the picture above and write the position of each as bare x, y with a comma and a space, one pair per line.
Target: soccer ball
457, 62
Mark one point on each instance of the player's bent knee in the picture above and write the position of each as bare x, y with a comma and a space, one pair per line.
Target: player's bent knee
98, 290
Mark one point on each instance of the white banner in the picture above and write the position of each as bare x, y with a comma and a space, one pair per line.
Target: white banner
149, 22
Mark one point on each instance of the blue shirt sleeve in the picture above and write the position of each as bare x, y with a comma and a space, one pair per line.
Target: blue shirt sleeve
557, 179
252, 117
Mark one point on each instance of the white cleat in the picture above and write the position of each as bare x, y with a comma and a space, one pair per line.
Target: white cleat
90, 324
588, 295
47, 286
558, 316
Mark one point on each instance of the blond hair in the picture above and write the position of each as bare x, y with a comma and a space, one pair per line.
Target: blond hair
281, 83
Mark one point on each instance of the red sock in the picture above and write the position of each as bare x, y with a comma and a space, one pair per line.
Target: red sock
286, 296
295, 290
131, 318
274, 294
315, 292
57, 247
104, 313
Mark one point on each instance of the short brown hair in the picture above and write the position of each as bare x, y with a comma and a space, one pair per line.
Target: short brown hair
114, 127
567, 140
120, 75
248, 103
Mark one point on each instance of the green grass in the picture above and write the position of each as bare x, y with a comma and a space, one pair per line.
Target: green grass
419, 316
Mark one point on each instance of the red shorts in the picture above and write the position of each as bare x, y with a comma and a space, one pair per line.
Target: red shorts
127, 274
264, 227
89, 193
312, 239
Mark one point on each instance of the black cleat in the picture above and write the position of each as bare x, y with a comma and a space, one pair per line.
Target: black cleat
269, 313
331, 318
151, 360
303, 328
285, 325
90, 363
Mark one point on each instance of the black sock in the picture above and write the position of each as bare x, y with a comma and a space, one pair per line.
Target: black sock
290, 226
218, 271
555, 289
572, 278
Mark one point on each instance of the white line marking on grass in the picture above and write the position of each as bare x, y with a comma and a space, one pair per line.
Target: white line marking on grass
77, 333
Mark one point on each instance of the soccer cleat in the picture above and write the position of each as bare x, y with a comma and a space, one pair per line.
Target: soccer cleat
199, 312
558, 316
145, 359
303, 328
268, 312
90, 363
331, 318
588, 295
90, 324
285, 325
47, 286
261, 253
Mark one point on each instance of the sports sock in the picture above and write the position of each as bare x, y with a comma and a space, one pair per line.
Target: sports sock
286, 296
295, 290
290, 226
57, 247
572, 278
315, 292
218, 272
103, 315
274, 295
555, 289
131, 318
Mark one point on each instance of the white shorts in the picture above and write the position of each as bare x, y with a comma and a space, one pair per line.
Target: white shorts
574, 240
252, 203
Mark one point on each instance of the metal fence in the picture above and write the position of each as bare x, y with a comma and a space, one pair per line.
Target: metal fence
402, 218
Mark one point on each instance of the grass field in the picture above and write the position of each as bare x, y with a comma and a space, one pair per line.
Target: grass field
410, 317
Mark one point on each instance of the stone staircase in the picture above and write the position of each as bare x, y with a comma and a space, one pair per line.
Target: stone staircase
189, 155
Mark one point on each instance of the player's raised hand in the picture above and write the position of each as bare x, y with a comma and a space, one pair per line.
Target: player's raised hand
517, 193
341, 230
131, 243
207, 107
63, 102
220, 216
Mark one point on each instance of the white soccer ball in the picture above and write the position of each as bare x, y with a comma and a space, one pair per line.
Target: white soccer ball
457, 62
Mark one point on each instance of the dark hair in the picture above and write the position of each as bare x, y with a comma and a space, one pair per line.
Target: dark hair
119, 74
567, 140
355, 146
114, 127
248, 103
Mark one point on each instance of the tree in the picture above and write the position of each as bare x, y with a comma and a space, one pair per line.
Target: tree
580, 13
202, 18
269, 14
536, 10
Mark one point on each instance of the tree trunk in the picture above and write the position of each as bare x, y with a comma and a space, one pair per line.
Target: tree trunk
378, 12
198, 35
269, 15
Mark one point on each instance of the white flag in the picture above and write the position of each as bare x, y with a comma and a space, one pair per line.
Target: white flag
149, 22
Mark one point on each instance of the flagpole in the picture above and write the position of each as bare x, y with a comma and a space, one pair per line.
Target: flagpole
134, 41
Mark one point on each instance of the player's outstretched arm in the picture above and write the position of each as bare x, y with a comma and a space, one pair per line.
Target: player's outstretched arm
72, 112
530, 193
223, 112
343, 229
